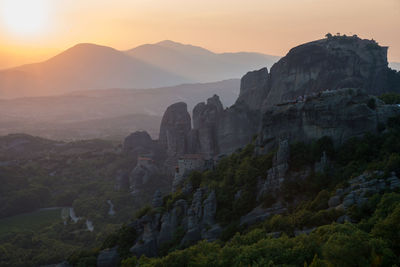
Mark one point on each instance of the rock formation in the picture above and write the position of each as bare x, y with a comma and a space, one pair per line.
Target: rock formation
175, 126
280, 166
237, 127
322, 88
147, 177
140, 144
331, 63
361, 188
196, 219
339, 114
108, 258
157, 199
206, 117
254, 88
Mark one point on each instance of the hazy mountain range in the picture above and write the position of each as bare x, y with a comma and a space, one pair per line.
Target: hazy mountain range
90, 66
111, 113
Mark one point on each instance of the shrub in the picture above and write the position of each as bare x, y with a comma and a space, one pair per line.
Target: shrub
143, 211
390, 98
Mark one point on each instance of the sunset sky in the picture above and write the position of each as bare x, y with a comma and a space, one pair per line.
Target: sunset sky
33, 30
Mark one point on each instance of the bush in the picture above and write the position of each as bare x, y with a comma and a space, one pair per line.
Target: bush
143, 211
393, 163
125, 237
390, 98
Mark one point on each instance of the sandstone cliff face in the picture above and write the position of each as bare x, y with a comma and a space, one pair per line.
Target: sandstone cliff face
332, 63
339, 114
307, 70
237, 127
175, 126
222, 131
206, 119
254, 88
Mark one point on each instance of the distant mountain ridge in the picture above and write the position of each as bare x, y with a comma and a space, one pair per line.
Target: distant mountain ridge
199, 64
110, 113
89, 66
82, 67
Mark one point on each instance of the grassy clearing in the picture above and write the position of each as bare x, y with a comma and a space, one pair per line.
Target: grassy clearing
29, 221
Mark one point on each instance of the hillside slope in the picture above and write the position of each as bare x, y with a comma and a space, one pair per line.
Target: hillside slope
199, 64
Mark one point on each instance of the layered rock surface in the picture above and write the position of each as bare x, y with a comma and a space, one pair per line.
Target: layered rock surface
339, 114
175, 126
195, 219
331, 63
254, 88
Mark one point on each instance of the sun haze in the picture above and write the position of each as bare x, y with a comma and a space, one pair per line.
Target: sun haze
267, 26
25, 17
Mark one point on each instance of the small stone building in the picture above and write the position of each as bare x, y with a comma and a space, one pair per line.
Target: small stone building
190, 162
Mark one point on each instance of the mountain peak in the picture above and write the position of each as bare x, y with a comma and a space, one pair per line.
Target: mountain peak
168, 43
85, 47
185, 48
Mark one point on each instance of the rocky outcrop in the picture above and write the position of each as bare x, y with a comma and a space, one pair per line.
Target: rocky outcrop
210, 209
237, 127
331, 63
196, 220
280, 166
140, 144
254, 88
108, 258
145, 174
215, 130
206, 117
157, 199
339, 114
327, 64
305, 72
362, 187
174, 129
222, 131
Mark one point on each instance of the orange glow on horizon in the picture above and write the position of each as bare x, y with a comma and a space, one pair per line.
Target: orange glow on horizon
266, 26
